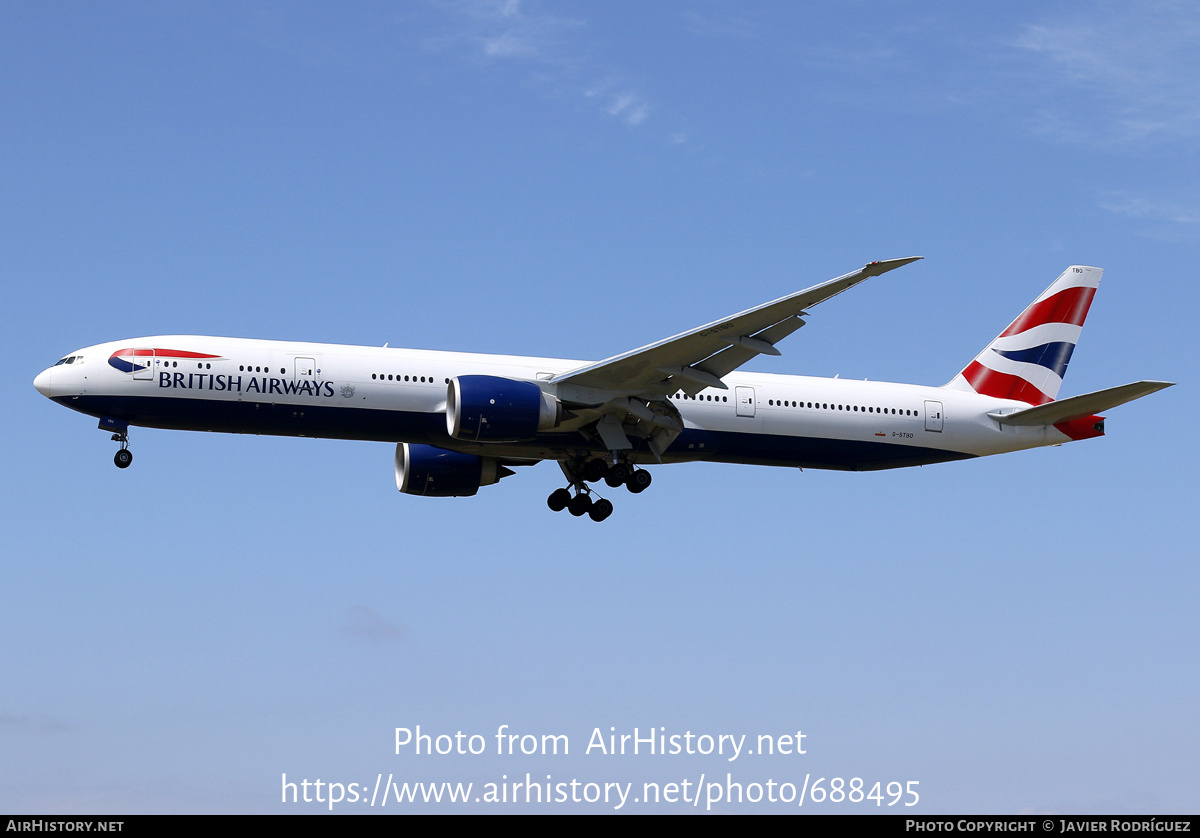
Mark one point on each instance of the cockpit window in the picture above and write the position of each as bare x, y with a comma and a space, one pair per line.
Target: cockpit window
69, 360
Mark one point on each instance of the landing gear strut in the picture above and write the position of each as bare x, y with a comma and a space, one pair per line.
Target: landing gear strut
124, 456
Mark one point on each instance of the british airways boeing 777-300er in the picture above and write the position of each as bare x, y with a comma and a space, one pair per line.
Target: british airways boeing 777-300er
462, 421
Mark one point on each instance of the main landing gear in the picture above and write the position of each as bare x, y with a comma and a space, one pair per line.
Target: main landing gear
581, 502
123, 457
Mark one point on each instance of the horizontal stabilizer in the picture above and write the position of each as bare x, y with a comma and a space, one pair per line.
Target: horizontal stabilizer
1077, 407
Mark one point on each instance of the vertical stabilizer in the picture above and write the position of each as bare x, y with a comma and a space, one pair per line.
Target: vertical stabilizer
1028, 360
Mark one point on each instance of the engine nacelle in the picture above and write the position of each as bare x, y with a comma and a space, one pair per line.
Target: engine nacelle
486, 408
438, 473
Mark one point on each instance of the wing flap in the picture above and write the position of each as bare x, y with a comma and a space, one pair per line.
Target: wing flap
727, 360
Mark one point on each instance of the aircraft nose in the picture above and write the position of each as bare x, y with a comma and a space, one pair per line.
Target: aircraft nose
42, 382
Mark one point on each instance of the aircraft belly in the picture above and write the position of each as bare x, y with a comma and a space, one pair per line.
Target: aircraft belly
750, 448
258, 417
347, 422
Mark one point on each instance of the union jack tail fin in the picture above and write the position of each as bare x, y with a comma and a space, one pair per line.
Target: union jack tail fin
1028, 360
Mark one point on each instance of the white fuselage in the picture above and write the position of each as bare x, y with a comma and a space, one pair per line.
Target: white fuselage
400, 395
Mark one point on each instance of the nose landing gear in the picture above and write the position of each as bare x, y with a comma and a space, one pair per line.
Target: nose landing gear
124, 457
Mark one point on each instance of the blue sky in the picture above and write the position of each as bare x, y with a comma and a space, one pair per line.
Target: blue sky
1017, 634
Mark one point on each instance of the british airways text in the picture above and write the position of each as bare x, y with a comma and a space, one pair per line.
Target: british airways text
253, 384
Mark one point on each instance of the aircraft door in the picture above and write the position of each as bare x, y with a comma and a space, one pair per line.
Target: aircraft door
745, 401
143, 364
306, 369
933, 416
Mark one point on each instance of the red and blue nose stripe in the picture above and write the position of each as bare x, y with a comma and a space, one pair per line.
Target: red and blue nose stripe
132, 360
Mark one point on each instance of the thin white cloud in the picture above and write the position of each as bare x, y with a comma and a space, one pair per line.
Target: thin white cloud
629, 107
1123, 75
1161, 220
720, 26
508, 45
1133, 206
509, 31
501, 29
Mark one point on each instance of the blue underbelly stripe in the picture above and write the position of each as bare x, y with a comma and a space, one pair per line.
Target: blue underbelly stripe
356, 423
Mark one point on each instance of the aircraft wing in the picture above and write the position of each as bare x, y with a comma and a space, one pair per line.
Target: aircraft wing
701, 357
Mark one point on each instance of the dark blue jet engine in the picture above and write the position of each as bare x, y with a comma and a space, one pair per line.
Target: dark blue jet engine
486, 408
438, 473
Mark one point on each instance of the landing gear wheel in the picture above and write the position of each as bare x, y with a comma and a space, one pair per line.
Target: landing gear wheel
558, 500
600, 510
618, 473
594, 470
580, 505
123, 458
639, 481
